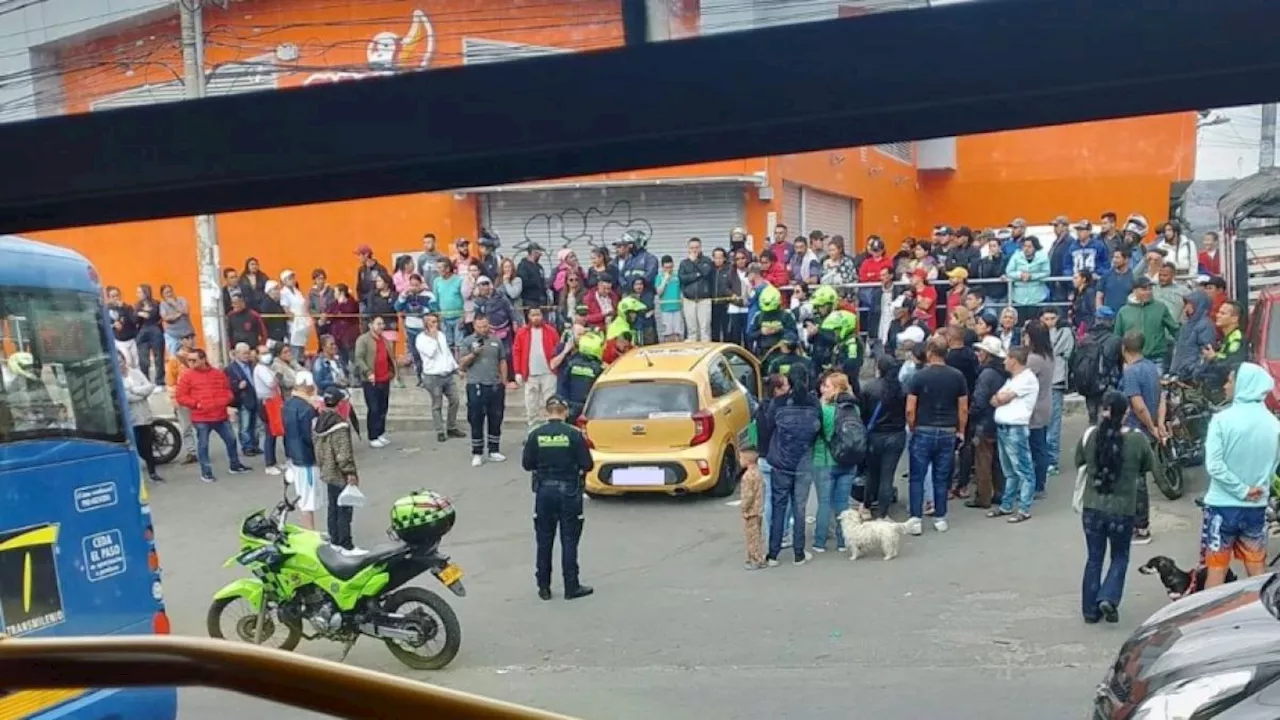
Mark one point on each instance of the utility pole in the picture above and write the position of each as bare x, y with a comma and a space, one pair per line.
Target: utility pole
1267, 148
207, 259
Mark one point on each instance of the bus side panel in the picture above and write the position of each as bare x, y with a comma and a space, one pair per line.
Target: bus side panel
124, 704
75, 554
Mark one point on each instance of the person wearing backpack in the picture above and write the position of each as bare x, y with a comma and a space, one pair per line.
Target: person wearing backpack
796, 424
836, 456
1095, 364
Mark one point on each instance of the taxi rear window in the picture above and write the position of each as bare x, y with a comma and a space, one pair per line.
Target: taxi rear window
641, 399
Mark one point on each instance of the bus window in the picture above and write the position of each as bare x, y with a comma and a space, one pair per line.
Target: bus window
57, 372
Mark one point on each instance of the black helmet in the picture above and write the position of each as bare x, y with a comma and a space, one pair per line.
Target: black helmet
332, 396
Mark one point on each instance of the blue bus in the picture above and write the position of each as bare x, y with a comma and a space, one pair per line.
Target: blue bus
77, 552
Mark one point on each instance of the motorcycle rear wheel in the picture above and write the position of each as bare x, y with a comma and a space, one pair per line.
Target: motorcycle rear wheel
448, 625
1169, 478
245, 631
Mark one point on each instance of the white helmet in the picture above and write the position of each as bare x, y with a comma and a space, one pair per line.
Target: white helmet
23, 364
1137, 224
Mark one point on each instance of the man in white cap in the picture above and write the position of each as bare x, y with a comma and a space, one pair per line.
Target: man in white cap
986, 465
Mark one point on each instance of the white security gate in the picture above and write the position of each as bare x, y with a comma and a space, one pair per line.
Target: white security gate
805, 210
581, 218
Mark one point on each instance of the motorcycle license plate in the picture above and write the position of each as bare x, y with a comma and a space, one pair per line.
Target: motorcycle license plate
450, 574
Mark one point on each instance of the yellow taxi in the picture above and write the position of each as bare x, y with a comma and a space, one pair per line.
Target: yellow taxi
670, 418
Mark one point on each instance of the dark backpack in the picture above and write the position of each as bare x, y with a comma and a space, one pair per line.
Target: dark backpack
848, 444
1091, 372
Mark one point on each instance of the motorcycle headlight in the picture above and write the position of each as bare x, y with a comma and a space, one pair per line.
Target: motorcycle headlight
1181, 700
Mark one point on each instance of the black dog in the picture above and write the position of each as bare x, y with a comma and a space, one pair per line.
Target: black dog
1177, 582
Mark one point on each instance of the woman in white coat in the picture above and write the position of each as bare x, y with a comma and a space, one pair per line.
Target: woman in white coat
137, 390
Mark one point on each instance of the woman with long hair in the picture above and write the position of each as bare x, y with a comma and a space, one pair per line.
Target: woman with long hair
343, 312
599, 265
175, 312
138, 389
253, 283
405, 266
884, 412
833, 481
1114, 459
510, 284
150, 339
1041, 361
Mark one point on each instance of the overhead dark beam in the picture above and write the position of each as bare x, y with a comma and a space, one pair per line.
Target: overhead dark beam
879, 78
635, 22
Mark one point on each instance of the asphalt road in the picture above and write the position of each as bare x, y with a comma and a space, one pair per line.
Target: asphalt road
982, 622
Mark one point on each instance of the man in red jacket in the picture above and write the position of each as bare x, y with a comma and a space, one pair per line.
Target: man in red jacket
204, 391
531, 354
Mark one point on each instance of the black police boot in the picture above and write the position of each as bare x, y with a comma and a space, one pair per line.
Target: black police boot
578, 591
544, 593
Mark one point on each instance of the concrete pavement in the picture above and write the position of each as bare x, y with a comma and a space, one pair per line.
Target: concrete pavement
981, 622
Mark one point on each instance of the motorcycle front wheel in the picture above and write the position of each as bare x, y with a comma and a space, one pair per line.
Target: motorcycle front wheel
1169, 477
243, 624
422, 604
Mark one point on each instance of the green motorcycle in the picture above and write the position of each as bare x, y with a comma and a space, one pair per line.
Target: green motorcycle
298, 576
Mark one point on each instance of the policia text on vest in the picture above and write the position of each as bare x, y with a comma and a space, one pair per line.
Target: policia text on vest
557, 455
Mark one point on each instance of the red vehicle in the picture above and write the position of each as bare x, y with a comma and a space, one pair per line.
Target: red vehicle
1264, 339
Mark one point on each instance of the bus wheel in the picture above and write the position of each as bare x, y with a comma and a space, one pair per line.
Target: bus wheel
166, 441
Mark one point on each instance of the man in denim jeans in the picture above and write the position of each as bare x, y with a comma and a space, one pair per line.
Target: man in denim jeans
1015, 403
206, 393
937, 412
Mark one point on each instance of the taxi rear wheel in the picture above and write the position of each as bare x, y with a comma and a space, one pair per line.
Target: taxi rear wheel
727, 481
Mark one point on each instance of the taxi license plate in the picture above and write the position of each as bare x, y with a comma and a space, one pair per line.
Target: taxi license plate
450, 574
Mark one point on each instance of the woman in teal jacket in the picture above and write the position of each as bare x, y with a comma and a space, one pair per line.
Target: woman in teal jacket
1028, 270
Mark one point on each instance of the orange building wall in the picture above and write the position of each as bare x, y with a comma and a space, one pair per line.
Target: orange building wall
885, 188
1080, 170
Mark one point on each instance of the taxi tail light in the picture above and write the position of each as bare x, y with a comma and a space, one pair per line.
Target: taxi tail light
704, 467
581, 424
704, 425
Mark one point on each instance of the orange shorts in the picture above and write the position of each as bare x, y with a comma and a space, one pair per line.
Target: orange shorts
1228, 533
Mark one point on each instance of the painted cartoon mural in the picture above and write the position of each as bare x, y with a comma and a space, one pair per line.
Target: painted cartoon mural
388, 53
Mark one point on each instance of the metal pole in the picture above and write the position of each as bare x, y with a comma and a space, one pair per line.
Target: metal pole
1267, 148
207, 259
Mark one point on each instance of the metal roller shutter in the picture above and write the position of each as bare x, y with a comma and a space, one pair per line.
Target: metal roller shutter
581, 218
791, 208
832, 214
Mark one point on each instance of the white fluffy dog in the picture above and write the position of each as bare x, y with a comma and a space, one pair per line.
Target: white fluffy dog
864, 535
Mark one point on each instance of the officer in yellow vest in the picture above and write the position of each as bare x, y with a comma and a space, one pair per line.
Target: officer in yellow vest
557, 455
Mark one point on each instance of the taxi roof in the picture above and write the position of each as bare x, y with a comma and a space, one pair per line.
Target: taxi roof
666, 360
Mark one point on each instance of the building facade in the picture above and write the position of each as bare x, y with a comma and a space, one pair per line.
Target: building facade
893, 190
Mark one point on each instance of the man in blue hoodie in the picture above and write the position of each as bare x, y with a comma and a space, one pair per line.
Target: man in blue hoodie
1240, 459
1085, 253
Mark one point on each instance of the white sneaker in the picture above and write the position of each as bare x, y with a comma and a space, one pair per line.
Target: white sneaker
477, 460
384, 440
497, 457
800, 561
272, 470
914, 526
378, 443
941, 525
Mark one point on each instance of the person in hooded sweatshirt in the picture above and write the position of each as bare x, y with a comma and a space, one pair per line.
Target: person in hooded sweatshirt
1241, 451
1197, 333
796, 423
336, 460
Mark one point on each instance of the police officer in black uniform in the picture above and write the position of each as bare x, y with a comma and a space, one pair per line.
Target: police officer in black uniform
557, 455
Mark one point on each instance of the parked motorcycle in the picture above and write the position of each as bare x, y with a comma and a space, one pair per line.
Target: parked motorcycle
1188, 410
342, 594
